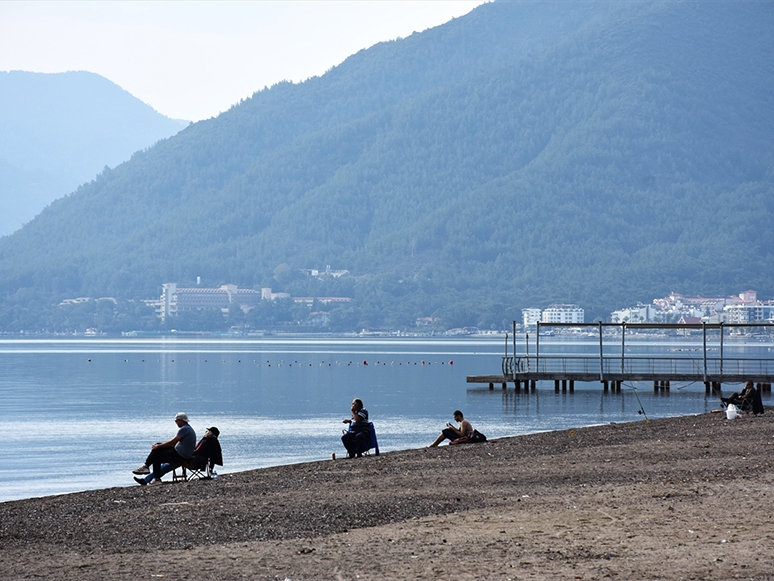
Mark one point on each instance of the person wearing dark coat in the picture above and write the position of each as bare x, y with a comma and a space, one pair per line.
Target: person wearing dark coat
357, 439
208, 450
748, 399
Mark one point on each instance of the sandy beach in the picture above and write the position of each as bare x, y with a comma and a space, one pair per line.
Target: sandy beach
681, 498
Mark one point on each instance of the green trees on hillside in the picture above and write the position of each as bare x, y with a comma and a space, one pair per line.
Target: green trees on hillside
599, 154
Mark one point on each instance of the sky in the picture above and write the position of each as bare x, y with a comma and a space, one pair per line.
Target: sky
194, 60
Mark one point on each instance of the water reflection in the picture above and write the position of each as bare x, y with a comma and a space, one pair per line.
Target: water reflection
98, 405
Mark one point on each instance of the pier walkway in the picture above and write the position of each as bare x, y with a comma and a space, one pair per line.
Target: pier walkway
611, 365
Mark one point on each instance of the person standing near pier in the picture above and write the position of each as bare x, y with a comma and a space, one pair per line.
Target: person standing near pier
452, 433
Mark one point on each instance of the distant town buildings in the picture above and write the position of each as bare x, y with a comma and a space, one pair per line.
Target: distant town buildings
327, 272
553, 314
175, 300
638, 314
321, 300
82, 300
742, 308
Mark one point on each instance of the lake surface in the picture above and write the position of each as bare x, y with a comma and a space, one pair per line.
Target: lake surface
81, 414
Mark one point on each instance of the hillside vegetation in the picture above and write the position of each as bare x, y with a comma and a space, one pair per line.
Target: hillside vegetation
60, 130
596, 153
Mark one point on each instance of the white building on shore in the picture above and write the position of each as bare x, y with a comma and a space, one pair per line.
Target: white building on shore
563, 314
530, 317
175, 299
553, 314
742, 308
757, 312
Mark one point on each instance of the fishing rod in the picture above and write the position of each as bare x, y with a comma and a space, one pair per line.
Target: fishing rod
641, 411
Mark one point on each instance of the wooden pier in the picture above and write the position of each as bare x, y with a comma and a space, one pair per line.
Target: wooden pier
613, 367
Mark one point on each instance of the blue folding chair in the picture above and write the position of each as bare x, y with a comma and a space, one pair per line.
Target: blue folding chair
364, 447
374, 445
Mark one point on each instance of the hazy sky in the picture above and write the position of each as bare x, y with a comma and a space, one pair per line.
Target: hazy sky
193, 60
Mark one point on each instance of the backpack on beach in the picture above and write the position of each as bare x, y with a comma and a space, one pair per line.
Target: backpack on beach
473, 438
476, 437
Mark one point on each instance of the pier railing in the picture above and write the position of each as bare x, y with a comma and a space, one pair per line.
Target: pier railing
707, 363
637, 365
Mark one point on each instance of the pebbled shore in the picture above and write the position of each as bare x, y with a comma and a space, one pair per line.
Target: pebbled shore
620, 501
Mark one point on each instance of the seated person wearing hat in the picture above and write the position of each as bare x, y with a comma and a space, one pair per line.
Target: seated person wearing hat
172, 453
208, 450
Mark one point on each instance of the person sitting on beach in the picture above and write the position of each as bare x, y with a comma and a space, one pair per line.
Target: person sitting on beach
358, 438
172, 453
748, 399
452, 433
208, 450
739, 399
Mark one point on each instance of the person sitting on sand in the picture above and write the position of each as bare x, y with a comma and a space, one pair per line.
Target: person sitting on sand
748, 399
358, 438
172, 453
739, 399
208, 450
452, 433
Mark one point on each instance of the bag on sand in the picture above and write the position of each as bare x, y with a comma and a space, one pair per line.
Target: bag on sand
476, 436
473, 438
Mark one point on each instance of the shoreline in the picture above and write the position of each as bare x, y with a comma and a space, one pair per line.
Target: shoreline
630, 501
340, 454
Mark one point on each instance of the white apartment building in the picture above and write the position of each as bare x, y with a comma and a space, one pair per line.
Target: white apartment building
563, 314
530, 317
757, 312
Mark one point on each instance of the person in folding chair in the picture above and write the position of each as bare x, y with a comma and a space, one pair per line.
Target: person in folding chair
748, 400
170, 454
206, 455
358, 438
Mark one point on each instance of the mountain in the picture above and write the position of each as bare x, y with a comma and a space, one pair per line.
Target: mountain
58, 131
597, 153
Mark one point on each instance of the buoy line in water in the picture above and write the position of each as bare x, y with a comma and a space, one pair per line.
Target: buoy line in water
308, 363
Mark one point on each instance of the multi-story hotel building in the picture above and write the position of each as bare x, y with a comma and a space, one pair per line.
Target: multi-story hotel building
563, 314
174, 300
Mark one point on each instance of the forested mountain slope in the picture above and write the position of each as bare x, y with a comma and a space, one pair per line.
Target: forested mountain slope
597, 153
58, 131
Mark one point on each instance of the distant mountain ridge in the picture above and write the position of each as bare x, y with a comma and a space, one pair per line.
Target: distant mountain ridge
60, 130
596, 153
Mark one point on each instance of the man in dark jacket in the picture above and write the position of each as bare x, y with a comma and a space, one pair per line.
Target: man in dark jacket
358, 438
748, 400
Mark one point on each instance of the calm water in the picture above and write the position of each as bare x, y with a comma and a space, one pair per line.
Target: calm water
81, 414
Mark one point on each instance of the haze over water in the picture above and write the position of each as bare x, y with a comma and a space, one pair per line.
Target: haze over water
81, 414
